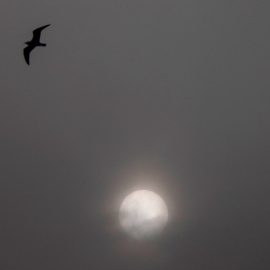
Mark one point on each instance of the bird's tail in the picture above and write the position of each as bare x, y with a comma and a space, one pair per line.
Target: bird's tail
43, 44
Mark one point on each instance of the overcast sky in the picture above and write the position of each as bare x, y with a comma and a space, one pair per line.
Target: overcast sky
171, 96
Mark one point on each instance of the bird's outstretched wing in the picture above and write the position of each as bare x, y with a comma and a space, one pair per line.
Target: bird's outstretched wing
36, 32
26, 52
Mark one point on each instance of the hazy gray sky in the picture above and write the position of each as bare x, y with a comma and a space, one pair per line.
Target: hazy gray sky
171, 96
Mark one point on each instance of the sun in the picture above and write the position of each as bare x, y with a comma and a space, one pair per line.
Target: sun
143, 214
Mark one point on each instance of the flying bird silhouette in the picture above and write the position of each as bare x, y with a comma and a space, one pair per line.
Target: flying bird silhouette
33, 43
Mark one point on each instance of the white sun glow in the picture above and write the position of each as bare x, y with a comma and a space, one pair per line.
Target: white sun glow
143, 214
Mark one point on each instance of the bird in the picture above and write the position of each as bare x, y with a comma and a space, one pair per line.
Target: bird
33, 43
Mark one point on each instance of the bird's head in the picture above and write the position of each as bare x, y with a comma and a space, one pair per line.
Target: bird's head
27, 43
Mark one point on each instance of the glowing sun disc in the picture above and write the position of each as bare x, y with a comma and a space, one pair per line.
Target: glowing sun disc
143, 214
